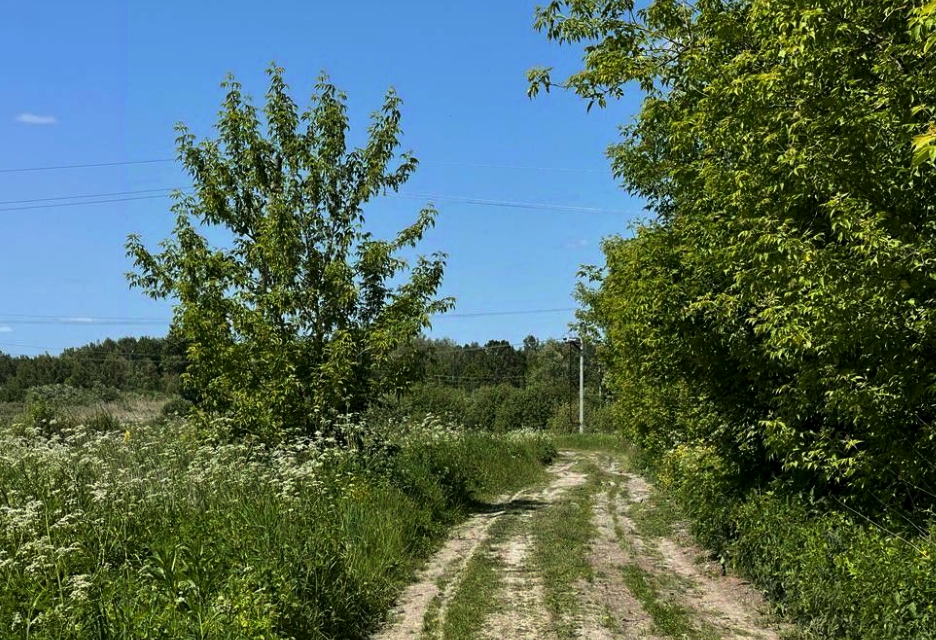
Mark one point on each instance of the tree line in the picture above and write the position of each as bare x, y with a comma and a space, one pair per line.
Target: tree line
447, 377
126, 364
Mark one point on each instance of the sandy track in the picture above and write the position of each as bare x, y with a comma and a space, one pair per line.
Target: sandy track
608, 609
522, 605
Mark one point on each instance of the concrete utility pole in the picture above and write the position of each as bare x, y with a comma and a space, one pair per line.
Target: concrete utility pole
581, 385
579, 344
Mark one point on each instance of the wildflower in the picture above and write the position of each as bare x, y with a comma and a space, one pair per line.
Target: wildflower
80, 585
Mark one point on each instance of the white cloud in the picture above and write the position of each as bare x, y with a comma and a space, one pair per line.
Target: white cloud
32, 118
6, 329
76, 320
576, 244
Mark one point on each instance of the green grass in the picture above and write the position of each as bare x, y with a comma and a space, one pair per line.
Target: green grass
669, 618
656, 516
475, 597
430, 626
153, 533
590, 442
562, 534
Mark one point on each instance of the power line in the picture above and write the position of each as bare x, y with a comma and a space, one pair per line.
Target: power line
82, 321
86, 322
522, 312
90, 195
77, 317
545, 206
541, 206
482, 165
77, 204
86, 166
24, 346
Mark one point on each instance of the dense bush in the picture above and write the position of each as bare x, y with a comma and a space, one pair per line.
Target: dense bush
485, 402
151, 533
176, 407
839, 574
528, 408
599, 417
499, 408
769, 334
423, 399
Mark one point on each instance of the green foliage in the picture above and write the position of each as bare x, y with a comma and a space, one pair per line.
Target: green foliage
598, 417
528, 408
422, 399
177, 407
923, 29
39, 416
822, 565
102, 421
485, 403
496, 387
151, 533
298, 316
770, 331
846, 579
103, 368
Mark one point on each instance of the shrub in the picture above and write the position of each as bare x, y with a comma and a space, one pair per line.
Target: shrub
484, 405
39, 417
438, 400
177, 406
102, 421
564, 419
839, 575
528, 408
418, 402
104, 393
60, 395
599, 418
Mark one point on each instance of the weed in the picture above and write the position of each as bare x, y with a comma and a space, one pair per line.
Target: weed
150, 532
475, 596
562, 534
669, 618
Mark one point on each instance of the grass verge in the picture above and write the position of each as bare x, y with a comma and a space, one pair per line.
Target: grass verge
669, 618
656, 516
562, 534
476, 594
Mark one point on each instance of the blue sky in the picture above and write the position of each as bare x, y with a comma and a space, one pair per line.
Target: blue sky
105, 81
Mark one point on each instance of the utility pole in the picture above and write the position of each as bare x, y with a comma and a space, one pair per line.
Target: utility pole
579, 344
581, 385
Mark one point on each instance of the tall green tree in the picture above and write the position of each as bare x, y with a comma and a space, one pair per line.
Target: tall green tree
780, 305
923, 29
299, 313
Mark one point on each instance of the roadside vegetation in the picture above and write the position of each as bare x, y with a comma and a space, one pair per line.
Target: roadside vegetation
768, 331
153, 533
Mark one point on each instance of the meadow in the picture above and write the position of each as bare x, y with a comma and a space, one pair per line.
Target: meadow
154, 531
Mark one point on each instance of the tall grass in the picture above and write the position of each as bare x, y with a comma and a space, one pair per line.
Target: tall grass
152, 533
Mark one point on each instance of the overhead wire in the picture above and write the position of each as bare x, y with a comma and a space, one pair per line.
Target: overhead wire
76, 320
89, 165
162, 190
80, 201
117, 163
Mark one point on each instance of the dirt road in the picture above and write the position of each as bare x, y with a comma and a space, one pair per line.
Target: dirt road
594, 552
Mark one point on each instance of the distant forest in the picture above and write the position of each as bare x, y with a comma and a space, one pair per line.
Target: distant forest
156, 364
